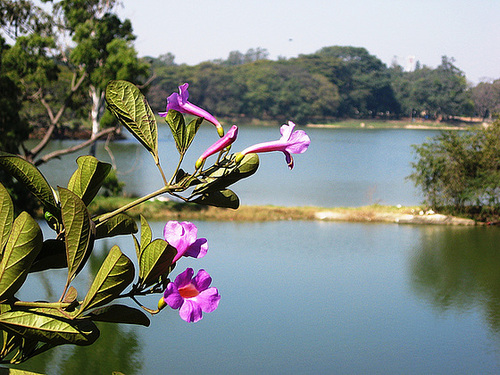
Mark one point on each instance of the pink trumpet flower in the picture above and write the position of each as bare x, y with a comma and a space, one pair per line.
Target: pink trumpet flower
179, 102
291, 142
221, 144
183, 236
191, 295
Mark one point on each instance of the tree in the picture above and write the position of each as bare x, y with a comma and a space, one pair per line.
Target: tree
486, 98
42, 63
363, 82
461, 169
439, 93
102, 49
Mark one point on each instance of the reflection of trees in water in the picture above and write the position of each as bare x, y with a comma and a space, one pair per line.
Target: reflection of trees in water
117, 349
459, 269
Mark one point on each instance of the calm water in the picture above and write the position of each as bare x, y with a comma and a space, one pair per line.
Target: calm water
342, 167
310, 297
313, 297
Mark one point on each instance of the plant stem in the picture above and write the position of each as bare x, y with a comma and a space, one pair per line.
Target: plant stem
130, 205
49, 305
181, 158
163, 174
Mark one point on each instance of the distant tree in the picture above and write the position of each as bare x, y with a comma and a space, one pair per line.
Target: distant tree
256, 54
486, 98
439, 93
363, 82
235, 58
167, 59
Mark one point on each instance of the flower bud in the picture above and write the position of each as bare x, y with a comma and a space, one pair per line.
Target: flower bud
238, 157
161, 303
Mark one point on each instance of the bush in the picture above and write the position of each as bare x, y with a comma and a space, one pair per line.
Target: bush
461, 170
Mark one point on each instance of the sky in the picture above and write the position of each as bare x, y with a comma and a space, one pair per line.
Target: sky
201, 30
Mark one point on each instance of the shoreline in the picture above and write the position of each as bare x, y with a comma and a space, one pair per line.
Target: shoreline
388, 126
169, 210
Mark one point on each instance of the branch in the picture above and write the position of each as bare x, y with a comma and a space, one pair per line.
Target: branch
75, 148
54, 120
148, 82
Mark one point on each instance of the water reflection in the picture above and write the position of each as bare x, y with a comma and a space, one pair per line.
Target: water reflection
118, 348
458, 269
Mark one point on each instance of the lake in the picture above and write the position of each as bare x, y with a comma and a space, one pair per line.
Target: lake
342, 167
317, 297
314, 297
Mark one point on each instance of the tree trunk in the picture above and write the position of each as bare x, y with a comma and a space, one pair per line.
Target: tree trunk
97, 102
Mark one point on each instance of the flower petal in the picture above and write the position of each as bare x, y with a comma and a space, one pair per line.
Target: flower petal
208, 300
184, 93
173, 234
173, 102
190, 232
298, 143
198, 249
190, 311
172, 297
184, 278
202, 280
286, 130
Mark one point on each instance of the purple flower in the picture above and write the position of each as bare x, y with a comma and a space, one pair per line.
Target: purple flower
183, 236
221, 144
291, 142
179, 102
192, 296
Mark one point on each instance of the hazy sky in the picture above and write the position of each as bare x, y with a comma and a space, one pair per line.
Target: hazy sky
200, 30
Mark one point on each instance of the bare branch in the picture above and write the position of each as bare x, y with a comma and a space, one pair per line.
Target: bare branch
75, 148
54, 120
148, 82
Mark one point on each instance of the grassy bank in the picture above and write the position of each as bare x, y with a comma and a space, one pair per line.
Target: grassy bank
398, 124
168, 210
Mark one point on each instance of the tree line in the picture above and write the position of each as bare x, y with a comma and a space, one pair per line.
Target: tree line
334, 82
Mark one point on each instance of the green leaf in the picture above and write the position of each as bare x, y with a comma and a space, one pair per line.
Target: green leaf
155, 261
191, 130
175, 121
115, 274
146, 234
6, 216
88, 178
223, 198
71, 295
79, 231
137, 248
13, 371
32, 178
23, 245
51, 256
119, 314
131, 108
115, 226
219, 177
49, 328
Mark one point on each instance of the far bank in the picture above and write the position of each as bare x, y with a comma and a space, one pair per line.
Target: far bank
158, 210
